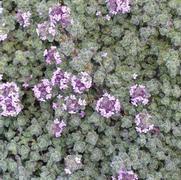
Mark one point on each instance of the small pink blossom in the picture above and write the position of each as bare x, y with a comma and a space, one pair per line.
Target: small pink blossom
118, 6
108, 106
55, 105
10, 104
43, 90
45, 29
73, 104
82, 114
81, 82
61, 79
23, 18
9, 89
125, 175
139, 95
52, 55
58, 127
60, 14
143, 124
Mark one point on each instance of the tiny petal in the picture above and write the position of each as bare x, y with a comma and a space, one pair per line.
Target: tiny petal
1, 77
108, 17
67, 171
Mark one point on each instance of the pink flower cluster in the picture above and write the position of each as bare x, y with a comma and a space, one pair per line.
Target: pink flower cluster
143, 124
45, 29
118, 6
73, 104
108, 106
125, 175
60, 14
10, 104
81, 82
23, 18
52, 55
57, 127
43, 90
61, 79
139, 95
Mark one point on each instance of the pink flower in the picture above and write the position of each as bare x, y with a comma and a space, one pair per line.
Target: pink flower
23, 18
108, 106
73, 104
10, 104
143, 124
118, 6
43, 90
60, 14
81, 82
125, 175
58, 127
61, 79
9, 89
139, 95
52, 55
45, 29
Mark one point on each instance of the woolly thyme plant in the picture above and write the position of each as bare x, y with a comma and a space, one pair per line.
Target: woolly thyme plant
90, 89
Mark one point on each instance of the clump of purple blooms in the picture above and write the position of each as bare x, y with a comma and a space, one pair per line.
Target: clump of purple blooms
60, 14
143, 124
125, 175
81, 82
10, 104
52, 55
108, 106
45, 29
61, 79
139, 95
73, 104
43, 90
23, 18
57, 127
118, 6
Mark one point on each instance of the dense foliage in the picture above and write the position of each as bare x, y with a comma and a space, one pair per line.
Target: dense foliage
120, 109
